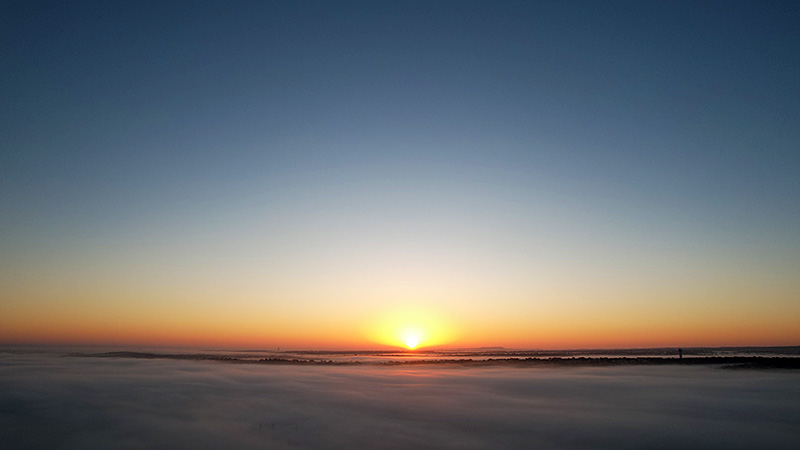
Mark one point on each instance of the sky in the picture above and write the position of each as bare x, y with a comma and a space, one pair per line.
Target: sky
348, 174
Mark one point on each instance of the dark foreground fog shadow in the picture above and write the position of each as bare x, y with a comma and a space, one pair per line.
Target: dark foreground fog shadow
84, 403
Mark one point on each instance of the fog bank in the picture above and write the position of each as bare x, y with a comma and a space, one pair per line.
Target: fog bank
57, 403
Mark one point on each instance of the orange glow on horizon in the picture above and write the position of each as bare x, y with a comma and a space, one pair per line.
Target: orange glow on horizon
89, 320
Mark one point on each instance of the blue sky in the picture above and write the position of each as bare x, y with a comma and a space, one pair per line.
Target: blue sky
493, 141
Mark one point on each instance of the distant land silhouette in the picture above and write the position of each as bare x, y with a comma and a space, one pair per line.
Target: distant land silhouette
728, 357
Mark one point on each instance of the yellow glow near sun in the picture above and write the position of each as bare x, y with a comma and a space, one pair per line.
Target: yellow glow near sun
410, 329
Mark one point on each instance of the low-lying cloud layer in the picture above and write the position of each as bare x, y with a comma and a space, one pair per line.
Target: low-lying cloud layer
77, 403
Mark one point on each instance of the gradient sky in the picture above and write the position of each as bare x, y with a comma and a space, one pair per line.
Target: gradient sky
324, 174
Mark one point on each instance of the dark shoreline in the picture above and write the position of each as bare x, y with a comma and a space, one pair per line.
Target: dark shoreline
728, 362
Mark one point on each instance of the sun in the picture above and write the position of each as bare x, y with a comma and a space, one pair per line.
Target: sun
412, 337
410, 328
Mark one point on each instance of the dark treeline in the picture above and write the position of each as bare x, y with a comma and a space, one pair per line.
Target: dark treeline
753, 362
